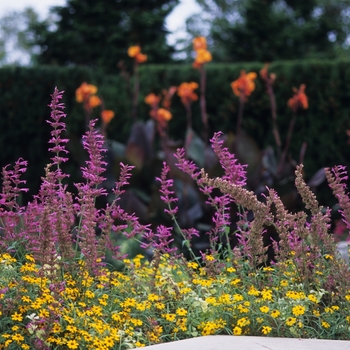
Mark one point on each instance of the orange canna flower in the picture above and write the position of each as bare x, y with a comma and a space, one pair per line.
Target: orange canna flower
185, 92
107, 115
299, 100
163, 115
199, 43
152, 99
94, 101
140, 58
203, 56
244, 84
134, 50
84, 91
265, 75
168, 94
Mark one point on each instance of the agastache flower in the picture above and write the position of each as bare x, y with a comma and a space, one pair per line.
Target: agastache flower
58, 126
165, 239
93, 142
167, 193
234, 172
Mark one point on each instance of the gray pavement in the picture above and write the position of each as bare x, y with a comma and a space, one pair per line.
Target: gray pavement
226, 342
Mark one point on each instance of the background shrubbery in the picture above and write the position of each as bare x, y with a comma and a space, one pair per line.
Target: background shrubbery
24, 97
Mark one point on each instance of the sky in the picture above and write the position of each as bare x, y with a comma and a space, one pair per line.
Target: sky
175, 21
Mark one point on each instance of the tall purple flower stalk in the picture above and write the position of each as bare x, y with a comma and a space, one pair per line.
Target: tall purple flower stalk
88, 215
50, 217
10, 211
58, 127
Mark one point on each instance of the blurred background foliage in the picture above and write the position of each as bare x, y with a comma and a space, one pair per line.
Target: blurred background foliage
97, 33
25, 94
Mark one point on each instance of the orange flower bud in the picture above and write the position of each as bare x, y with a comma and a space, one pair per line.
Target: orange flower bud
84, 91
94, 101
200, 42
107, 115
163, 115
299, 100
140, 58
185, 92
152, 99
203, 56
244, 84
134, 50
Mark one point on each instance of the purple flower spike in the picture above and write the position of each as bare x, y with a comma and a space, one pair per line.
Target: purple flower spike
234, 172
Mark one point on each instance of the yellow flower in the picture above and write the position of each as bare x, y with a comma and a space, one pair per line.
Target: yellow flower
17, 317
284, 283
170, 317
72, 344
298, 310
325, 324
312, 298
290, 321
192, 265
275, 313
264, 309
231, 269
17, 337
181, 312
237, 330
266, 329
243, 322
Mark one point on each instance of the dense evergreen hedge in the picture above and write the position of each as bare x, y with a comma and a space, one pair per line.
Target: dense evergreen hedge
25, 94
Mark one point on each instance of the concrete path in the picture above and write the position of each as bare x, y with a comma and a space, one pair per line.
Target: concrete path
226, 342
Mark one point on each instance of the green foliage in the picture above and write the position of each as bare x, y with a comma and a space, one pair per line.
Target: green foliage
255, 30
98, 33
323, 126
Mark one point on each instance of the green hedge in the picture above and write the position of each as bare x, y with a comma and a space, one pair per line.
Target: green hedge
25, 94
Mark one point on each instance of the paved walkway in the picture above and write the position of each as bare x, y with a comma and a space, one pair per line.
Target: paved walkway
225, 342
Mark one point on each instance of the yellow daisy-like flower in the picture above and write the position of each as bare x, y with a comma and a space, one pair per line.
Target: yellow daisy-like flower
290, 321
181, 312
325, 324
72, 344
237, 330
298, 310
266, 329
17, 317
275, 313
264, 309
